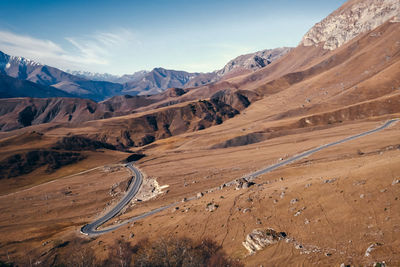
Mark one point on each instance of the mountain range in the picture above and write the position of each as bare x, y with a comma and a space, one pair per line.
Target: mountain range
160, 79
230, 148
102, 86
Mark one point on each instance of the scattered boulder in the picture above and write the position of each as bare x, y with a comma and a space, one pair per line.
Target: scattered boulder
307, 185
246, 210
199, 195
299, 211
361, 182
397, 181
329, 181
298, 246
260, 238
371, 248
293, 201
211, 206
243, 183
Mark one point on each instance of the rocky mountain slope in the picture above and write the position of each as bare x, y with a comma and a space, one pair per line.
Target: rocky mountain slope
352, 19
241, 65
253, 61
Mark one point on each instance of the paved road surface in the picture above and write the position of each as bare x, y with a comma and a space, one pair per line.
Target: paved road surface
91, 229
312, 151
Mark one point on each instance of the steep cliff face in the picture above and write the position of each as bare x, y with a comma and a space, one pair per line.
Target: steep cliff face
352, 19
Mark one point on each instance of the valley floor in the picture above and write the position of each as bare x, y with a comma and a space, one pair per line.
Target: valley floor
335, 203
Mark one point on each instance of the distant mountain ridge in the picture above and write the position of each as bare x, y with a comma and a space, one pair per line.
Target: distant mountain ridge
143, 82
160, 79
95, 76
25, 69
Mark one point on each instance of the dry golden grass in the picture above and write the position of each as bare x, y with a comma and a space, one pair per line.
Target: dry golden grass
340, 219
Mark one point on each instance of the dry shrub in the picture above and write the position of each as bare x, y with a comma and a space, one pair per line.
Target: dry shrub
177, 252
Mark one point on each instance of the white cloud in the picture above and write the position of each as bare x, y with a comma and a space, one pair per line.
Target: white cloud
97, 47
88, 51
17, 44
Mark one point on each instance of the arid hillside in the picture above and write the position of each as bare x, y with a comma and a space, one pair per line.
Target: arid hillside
63, 160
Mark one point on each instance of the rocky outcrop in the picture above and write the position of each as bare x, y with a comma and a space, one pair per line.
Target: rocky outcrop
371, 248
211, 207
243, 183
258, 239
353, 18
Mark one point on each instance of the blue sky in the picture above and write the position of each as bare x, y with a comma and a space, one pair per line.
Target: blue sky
121, 37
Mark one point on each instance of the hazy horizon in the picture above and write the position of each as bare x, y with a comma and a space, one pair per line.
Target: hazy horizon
130, 36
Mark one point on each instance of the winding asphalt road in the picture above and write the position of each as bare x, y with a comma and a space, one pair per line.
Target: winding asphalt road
91, 228
312, 151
